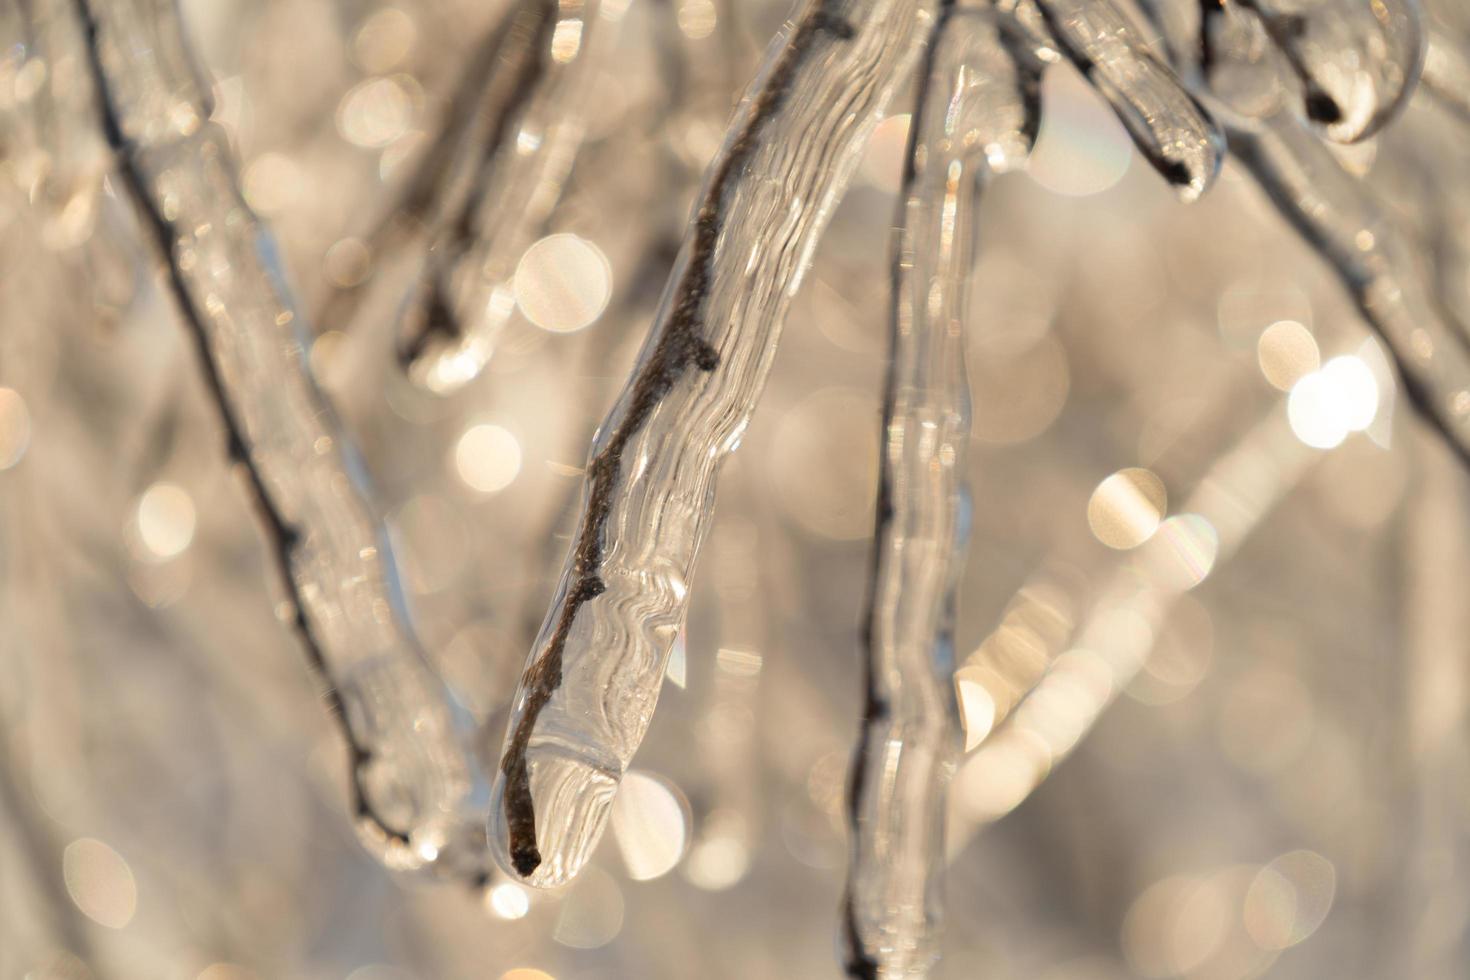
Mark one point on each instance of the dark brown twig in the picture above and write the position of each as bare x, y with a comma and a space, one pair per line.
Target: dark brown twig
487, 96
526, 37
283, 537
1172, 169
679, 346
858, 962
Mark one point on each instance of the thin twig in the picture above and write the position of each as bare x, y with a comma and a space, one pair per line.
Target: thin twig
489, 92
681, 345
1336, 216
462, 303
975, 114
764, 206
1171, 129
1363, 35
527, 36
402, 727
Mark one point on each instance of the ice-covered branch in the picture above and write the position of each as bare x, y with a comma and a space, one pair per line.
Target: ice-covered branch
417, 790
439, 184
592, 681
1172, 130
1347, 66
1356, 61
536, 100
481, 110
485, 186
975, 111
1339, 218
482, 103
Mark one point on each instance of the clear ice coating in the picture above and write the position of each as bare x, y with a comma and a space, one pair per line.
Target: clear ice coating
1234, 59
1355, 61
1347, 66
593, 678
1376, 260
1172, 130
975, 113
529, 125
1338, 214
419, 795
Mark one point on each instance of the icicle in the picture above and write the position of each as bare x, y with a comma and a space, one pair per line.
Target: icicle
1022, 19
1238, 492
465, 296
976, 104
1236, 60
1375, 258
1356, 60
1338, 217
419, 798
997, 88
484, 99
591, 683
1171, 129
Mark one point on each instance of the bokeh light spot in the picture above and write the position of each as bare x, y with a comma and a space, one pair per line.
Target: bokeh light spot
1183, 551
563, 283
99, 882
165, 521
487, 458
375, 113
1287, 352
592, 912
650, 822
508, 900
15, 427
1081, 149
883, 161
1326, 406
977, 707
1126, 508
1290, 899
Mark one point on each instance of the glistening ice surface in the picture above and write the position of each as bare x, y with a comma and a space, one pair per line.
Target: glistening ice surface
1209, 715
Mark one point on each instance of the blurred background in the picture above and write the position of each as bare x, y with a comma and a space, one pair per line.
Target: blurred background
1280, 790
